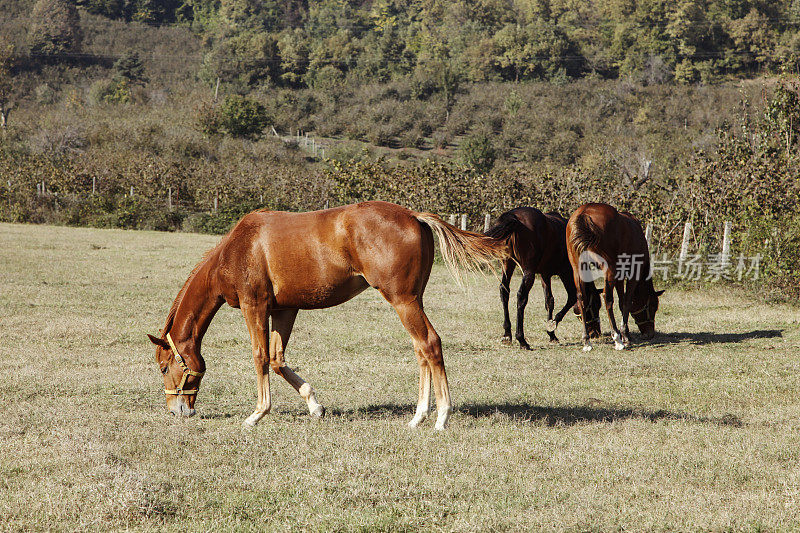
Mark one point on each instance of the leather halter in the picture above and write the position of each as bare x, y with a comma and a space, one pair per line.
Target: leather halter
646, 309
186, 372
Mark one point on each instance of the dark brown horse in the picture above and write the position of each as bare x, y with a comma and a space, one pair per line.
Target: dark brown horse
614, 242
537, 242
271, 264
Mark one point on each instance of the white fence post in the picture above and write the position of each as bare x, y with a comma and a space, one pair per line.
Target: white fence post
131, 191
487, 222
726, 243
648, 235
169, 198
216, 202
94, 184
464, 222
452, 220
687, 233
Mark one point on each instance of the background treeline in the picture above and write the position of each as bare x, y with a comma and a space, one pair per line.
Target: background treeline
677, 111
322, 43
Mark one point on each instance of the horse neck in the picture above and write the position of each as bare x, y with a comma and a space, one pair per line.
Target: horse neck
198, 305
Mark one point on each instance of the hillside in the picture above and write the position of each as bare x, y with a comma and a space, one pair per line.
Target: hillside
149, 117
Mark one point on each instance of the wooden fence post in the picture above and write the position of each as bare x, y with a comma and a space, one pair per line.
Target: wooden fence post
487, 222
687, 233
464, 222
726, 244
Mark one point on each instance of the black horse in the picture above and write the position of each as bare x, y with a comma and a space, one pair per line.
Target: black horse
538, 244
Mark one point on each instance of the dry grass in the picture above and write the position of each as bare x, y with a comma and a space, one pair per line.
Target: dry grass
696, 431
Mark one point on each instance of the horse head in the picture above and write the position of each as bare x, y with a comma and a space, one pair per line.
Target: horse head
644, 308
181, 382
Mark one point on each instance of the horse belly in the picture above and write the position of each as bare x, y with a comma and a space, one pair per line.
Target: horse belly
306, 294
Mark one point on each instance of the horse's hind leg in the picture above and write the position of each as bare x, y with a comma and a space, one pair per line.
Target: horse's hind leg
282, 323
522, 301
572, 298
424, 398
256, 318
428, 348
505, 291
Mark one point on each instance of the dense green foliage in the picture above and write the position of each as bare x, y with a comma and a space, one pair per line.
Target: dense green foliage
297, 42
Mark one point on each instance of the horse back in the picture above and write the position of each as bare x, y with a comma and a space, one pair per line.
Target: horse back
319, 258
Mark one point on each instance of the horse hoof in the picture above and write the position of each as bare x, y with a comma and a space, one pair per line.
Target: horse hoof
319, 412
587, 347
551, 326
506, 341
524, 346
618, 346
553, 339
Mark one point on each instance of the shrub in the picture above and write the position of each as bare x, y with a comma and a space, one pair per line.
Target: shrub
477, 152
116, 91
243, 117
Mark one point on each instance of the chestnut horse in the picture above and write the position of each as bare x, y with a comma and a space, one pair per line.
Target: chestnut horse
271, 264
537, 242
613, 241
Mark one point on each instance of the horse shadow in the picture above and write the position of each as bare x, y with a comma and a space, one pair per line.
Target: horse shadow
539, 415
707, 337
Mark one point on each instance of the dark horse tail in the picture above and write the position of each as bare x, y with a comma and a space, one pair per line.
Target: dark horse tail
506, 226
464, 248
585, 234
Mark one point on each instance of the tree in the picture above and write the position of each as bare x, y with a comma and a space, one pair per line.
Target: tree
6, 86
55, 28
130, 69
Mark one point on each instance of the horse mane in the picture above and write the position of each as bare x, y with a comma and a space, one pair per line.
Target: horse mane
585, 234
174, 309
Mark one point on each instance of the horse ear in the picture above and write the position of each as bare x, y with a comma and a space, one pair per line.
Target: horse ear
158, 342
659, 293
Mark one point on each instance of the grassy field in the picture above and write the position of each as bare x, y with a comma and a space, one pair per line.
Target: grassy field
698, 430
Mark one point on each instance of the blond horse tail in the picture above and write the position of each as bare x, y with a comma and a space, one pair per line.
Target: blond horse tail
465, 249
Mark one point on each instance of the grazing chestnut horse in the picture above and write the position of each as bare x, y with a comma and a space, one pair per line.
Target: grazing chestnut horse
537, 242
271, 264
614, 241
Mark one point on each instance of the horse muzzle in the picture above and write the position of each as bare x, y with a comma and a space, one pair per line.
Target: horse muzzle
178, 406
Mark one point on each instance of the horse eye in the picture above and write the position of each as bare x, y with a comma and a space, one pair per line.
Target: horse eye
164, 370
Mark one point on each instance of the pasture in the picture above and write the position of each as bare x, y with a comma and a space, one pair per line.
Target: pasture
699, 429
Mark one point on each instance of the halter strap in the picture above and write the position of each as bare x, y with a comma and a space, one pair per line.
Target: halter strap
186, 372
646, 309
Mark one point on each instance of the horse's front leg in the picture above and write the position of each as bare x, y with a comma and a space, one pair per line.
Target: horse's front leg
572, 298
626, 301
608, 297
257, 319
282, 323
549, 306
